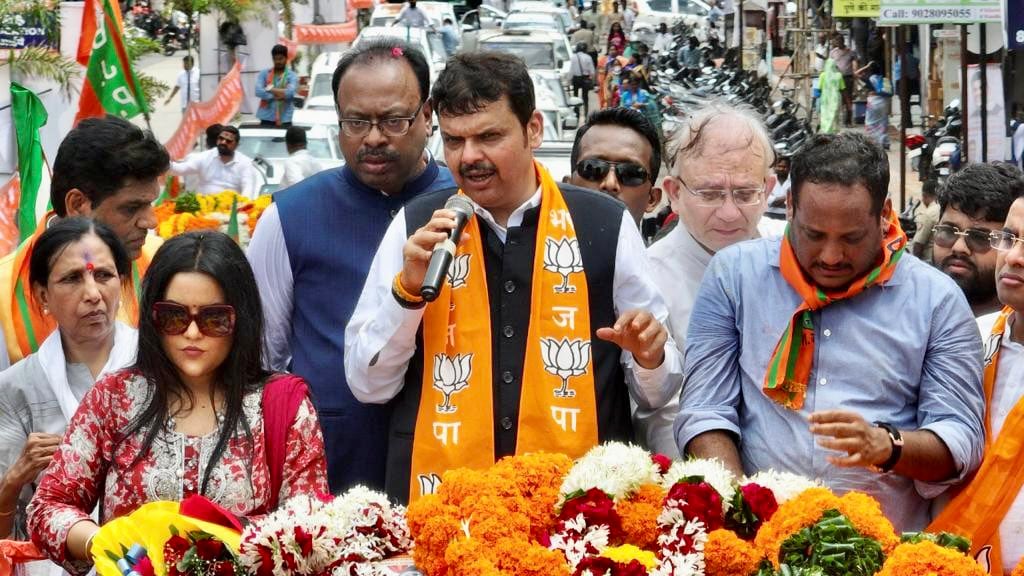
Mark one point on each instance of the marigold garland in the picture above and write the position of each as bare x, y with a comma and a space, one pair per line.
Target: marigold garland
726, 554
480, 521
806, 509
639, 516
1019, 570
929, 559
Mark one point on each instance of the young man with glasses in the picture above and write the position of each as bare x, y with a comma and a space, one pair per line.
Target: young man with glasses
974, 203
831, 353
312, 250
718, 183
990, 510
618, 152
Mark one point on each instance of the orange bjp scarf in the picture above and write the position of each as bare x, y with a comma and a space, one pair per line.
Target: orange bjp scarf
789, 368
557, 406
977, 511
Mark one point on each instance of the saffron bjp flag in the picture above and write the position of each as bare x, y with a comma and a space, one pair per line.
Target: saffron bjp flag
29, 116
110, 85
92, 12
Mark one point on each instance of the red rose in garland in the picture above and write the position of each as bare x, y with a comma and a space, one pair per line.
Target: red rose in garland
761, 500
699, 501
175, 549
751, 506
597, 508
663, 462
600, 566
209, 549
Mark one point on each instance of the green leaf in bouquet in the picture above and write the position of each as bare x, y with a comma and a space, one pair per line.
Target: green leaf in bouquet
187, 203
945, 539
832, 546
696, 479
741, 518
174, 530
113, 557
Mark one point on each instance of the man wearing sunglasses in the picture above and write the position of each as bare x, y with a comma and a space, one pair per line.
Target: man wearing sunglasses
831, 352
973, 204
313, 248
990, 510
106, 169
718, 185
618, 152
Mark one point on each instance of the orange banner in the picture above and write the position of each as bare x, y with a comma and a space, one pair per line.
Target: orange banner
360, 4
10, 192
218, 110
325, 33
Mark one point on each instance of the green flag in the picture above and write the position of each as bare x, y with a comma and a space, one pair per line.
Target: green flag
110, 86
29, 115
233, 220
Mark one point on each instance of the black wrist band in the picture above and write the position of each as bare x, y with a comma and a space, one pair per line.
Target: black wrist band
405, 303
897, 446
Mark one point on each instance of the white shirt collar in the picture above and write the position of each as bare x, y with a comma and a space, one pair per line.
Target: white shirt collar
515, 219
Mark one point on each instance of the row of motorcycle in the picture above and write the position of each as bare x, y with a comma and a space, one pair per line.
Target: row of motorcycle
174, 33
679, 90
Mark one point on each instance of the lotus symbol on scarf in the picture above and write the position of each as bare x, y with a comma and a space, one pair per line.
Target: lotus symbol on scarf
563, 257
458, 271
451, 375
565, 358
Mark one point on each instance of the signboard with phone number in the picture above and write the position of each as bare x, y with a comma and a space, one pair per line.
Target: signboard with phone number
940, 12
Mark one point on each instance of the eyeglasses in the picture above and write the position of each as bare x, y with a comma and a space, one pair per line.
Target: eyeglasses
393, 126
1004, 241
978, 240
715, 197
173, 319
628, 173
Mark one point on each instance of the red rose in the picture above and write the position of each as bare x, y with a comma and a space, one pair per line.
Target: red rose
144, 567
175, 549
304, 540
597, 508
209, 549
634, 568
699, 501
266, 561
761, 501
224, 568
594, 566
663, 462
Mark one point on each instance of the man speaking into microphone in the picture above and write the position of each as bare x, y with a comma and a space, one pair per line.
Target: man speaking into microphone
546, 322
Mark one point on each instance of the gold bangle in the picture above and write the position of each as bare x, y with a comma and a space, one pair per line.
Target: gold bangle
402, 293
9, 514
88, 544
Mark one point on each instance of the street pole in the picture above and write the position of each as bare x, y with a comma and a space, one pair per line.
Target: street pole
904, 113
739, 18
963, 92
982, 65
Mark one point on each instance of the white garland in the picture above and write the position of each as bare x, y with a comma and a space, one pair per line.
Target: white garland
713, 472
344, 535
576, 540
615, 468
784, 485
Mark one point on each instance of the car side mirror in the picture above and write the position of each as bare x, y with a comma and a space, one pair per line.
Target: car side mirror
299, 102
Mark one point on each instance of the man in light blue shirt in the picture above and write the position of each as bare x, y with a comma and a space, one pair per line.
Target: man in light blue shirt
895, 379
275, 87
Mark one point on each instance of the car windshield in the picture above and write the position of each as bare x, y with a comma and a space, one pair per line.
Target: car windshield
269, 146
660, 5
437, 47
692, 8
321, 86
535, 55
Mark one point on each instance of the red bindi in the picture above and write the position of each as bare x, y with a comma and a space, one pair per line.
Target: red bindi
89, 266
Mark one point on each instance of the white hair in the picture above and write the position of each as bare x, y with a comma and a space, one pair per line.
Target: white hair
688, 139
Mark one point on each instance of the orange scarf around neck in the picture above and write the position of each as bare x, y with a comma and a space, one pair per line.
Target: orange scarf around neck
978, 510
790, 365
557, 406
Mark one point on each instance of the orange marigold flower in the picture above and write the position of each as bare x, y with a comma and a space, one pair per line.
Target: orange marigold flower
866, 515
1019, 570
929, 559
639, 516
726, 554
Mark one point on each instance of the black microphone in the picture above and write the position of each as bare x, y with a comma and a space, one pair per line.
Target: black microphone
444, 251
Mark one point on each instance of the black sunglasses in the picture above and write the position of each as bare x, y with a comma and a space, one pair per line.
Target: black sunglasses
215, 320
628, 173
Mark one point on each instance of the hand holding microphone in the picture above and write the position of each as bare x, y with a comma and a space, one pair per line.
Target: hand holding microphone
429, 251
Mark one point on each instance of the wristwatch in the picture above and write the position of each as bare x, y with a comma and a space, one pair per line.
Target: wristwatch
897, 446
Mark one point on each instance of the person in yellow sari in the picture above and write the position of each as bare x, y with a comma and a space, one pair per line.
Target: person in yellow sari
106, 169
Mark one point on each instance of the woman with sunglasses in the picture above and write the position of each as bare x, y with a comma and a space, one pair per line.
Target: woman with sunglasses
75, 275
197, 414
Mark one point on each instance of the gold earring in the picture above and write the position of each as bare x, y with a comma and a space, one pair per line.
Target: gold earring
46, 311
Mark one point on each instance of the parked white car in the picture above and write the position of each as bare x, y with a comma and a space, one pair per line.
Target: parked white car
265, 145
318, 107
542, 51
561, 12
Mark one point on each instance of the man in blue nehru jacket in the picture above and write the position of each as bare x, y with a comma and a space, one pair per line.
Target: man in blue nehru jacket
313, 247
